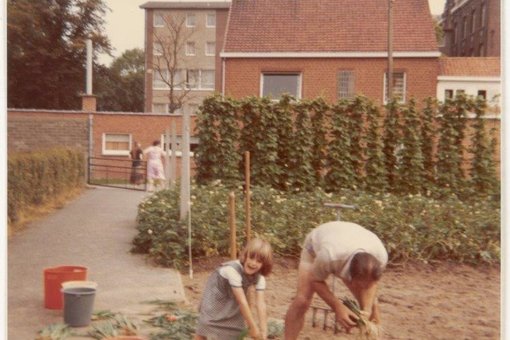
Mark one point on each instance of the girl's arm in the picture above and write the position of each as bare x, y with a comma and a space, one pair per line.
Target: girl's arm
262, 312
246, 312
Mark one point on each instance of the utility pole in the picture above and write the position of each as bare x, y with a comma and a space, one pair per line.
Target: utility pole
389, 79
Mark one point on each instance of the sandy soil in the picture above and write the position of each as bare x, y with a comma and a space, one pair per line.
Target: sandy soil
444, 301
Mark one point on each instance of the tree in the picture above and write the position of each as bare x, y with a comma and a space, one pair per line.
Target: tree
46, 50
120, 87
168, 64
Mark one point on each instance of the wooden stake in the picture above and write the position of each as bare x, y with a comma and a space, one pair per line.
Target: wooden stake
232, 224
247, 206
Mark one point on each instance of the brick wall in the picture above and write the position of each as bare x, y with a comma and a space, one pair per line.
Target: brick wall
38, 130
319, 76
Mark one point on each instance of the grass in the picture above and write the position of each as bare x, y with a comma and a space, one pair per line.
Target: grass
34, 213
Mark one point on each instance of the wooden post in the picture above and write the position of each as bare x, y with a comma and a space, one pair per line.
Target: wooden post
168, 175
173, 156
247, 206
232, 224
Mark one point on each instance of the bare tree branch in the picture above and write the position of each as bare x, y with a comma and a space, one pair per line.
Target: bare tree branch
169, 63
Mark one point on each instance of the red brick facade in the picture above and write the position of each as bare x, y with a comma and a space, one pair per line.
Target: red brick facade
319, 76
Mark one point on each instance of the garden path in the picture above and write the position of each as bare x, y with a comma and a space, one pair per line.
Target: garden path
94, 231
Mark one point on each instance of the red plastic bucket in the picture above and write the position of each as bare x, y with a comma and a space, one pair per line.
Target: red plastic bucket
53, 279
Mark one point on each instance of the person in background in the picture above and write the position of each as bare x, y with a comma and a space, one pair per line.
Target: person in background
348, 251
155, 171
224, 309
136, 164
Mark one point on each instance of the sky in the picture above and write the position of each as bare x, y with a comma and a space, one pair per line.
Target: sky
125, 25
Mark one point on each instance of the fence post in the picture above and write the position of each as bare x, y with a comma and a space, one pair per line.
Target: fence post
247, 195
232, 224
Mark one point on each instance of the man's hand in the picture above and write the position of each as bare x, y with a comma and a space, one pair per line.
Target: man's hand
345, 317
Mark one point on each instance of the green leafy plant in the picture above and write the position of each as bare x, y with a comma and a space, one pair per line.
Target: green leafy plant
54, 332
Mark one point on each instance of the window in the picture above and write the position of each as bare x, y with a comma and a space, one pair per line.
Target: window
190, 20
399, 87
345, 84
159, 79
178, 80
192, 79
159, 21
210, 20
207, 79
274, 85
482, 94
448, 94
116, 144
210, 48
158, 49
193, 143
190, 48
159, 108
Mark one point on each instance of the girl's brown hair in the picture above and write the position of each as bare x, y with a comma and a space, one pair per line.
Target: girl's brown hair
262, 251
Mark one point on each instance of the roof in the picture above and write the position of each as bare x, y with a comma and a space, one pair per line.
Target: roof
186, 5
328, 26
470, 66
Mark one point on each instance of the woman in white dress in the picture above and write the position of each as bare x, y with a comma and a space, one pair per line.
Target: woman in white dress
155, 171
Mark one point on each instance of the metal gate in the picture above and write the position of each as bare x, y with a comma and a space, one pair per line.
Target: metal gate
118, 173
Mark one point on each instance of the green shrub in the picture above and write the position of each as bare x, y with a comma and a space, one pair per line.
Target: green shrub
38, 177
412, 227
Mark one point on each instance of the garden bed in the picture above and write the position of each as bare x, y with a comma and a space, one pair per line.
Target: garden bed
418, 301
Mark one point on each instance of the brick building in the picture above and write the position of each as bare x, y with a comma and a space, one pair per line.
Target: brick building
329, 48
472, 28
182, 44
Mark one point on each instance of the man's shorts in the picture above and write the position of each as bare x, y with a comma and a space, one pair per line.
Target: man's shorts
307, 253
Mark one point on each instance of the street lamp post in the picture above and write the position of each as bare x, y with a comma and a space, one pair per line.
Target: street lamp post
389, 83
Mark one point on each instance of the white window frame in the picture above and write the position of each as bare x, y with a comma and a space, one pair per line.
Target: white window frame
299, 83
209, 15
201, 78
156, 21
207, 50
114, 152
404, 86
178, 153
157, 49
350, 85
196, 82
191, 17
191, 48
164, 76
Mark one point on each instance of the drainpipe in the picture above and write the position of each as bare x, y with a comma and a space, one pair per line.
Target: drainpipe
223, 76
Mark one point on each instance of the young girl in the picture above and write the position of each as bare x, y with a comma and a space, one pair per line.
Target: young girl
224, 307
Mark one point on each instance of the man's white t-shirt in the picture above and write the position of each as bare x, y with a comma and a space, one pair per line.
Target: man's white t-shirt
334, 244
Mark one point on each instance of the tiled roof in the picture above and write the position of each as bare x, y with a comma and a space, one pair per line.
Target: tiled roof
186, 4
470, 66
328, 26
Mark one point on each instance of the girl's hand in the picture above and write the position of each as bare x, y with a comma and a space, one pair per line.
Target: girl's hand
255, 333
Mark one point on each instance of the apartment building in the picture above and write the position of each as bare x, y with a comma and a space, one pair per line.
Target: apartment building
182, 45
472, 28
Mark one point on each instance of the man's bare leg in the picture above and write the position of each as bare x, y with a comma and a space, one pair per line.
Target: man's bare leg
295, 317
